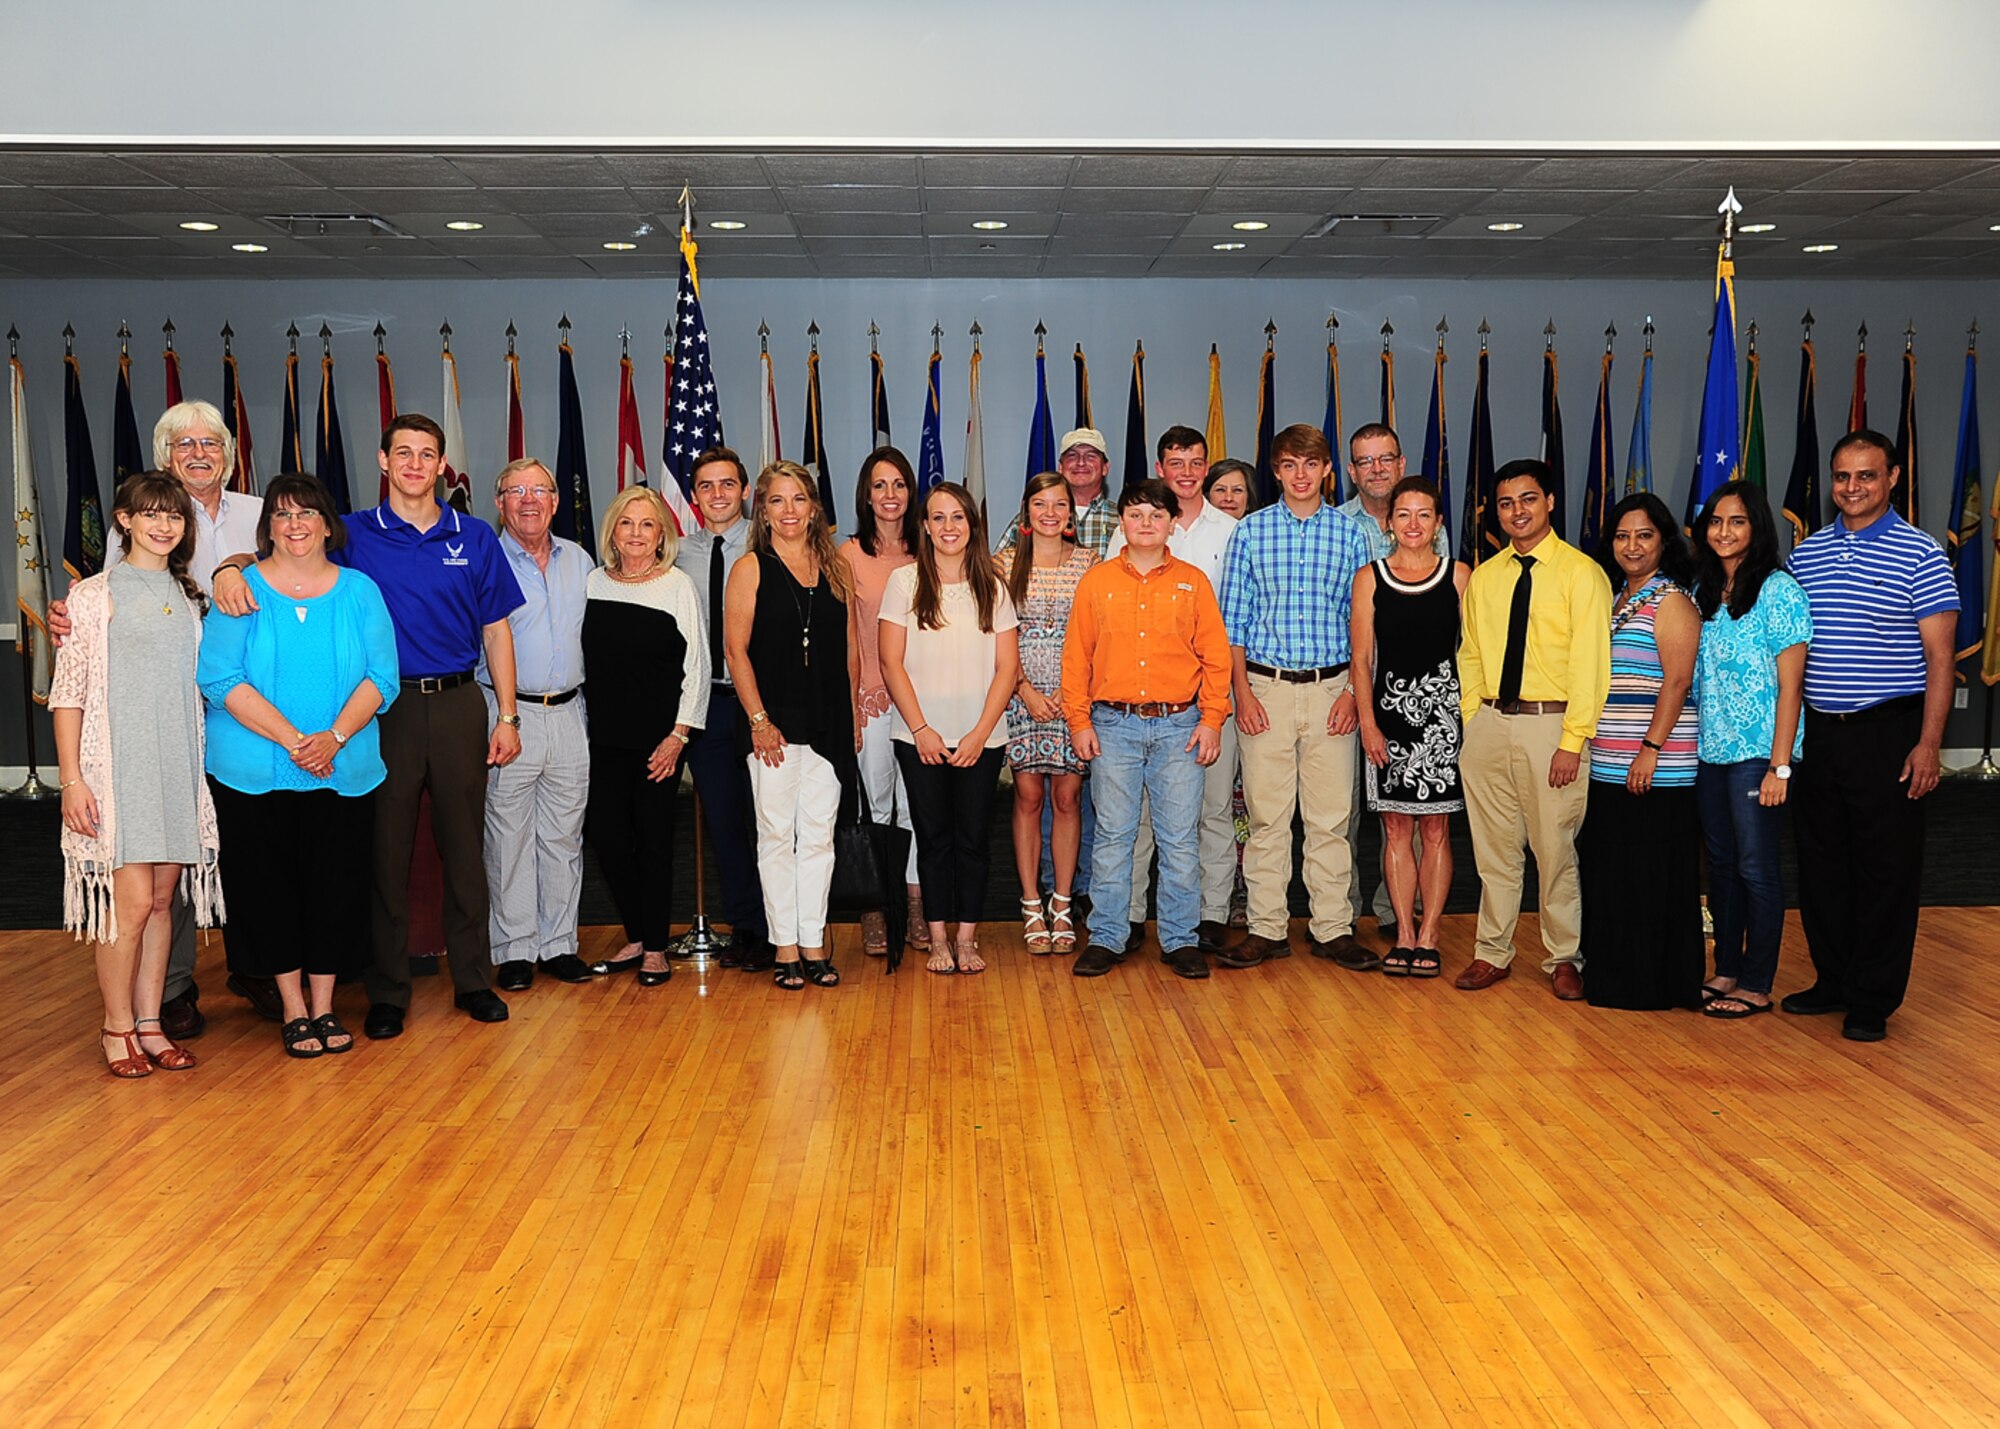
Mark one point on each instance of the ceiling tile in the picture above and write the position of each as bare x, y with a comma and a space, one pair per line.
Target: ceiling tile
1019, 225
1307, 171
873, 267
1447, 202
880, 247
1606, 171
819, 225
1879, 225
1148, 171
989, 266
20, 200
1261, 203
603, 227
642, 169
774, 267
466, 201
57, 170
711, 203
120, 200
203, 170
1537, 226
1111, 202
812, 170
1514, 201
562, 200
997, 170
852, 198
62, 225
379, 171
533, 171
1747, 173
1121, 225
1941, 203
978, 201
1472, 171
501, 266
1908, 174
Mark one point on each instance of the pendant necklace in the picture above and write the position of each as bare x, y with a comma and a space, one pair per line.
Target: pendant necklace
805, 610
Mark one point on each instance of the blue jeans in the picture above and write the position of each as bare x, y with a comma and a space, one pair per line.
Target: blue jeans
1148, 756
1087, 813
1746, 892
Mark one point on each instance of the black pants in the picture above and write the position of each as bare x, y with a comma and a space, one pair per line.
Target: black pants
296, 857
951, 810
1861, 853
723, 781
437, 741
629, 823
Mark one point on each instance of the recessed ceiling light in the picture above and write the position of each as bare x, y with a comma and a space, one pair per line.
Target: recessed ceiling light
1757, 228
1993, 228
1505, 227
728, 225
196, 225
989, 225
249, 248
1250, 225
621, 247
1820, 248
1227, 247
465, 225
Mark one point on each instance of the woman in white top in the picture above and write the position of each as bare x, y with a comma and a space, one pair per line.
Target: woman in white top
951, 659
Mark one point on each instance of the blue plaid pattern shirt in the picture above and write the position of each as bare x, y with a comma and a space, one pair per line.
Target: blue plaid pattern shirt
1288, 586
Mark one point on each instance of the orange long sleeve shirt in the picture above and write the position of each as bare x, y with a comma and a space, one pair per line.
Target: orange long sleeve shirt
1137, 638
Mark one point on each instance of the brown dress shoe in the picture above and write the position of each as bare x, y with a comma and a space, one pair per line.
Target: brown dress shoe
181, 1018
1480, 974
1347, 951
1567, 982
1253, 950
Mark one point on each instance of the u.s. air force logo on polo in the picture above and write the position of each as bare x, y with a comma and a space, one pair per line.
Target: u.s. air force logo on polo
455, 555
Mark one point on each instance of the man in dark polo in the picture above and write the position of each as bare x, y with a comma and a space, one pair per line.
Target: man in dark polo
1877, 690
449, 590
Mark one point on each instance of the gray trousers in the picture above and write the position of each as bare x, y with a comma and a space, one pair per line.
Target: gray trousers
534, 833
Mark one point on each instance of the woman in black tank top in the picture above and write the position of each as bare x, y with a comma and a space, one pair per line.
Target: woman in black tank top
788, 634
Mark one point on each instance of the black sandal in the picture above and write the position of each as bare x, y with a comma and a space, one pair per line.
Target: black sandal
299, 1030
820, 972
1425, 962
326, 1028
1396, 962
790, 976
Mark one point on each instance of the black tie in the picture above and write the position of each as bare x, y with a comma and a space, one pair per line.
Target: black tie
1517, 634
718, 670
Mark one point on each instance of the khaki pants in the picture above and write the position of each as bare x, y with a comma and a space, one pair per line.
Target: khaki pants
1504, 767
1296, 763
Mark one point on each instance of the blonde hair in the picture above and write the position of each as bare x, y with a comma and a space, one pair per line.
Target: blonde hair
819, 535
183, 417
670, 543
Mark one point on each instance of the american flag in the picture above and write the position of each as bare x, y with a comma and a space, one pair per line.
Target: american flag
694, 420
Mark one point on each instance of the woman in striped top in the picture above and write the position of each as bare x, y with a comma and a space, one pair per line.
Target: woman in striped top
1639, 850
1757, 623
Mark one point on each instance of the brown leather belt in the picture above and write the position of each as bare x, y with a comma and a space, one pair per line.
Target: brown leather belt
1296, 677
1148, 709
1521, 707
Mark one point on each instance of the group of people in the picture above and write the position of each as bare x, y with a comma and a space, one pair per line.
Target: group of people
1146, 667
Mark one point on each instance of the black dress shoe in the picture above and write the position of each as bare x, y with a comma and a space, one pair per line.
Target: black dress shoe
1134, 939
1812, 1002
1094, 962
261, 993
180, 1017
567, 967
758, 957
1864, 1029
424, 965
516, 975
385, 1020
654, 979
481, 1006
1208, 935
1186, 962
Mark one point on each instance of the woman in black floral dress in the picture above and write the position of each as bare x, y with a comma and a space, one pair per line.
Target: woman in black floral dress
1405, 678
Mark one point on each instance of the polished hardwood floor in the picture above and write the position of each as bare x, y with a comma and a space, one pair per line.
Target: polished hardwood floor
1284, 1196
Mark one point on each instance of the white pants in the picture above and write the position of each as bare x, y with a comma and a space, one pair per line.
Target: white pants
884, 783
796, 806
534, 833
1217, 837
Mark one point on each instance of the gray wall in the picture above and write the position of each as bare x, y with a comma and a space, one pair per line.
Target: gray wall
1177, 320
1456, 72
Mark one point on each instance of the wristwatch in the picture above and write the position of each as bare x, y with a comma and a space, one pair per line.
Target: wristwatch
1783, 771
512, 719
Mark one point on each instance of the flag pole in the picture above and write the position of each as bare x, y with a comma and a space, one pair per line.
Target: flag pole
32, 788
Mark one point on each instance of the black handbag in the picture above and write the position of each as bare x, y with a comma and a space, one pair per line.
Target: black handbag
868, 863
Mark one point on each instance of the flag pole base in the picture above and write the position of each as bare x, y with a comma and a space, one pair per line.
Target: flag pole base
1984, 772
32, 789
701, 944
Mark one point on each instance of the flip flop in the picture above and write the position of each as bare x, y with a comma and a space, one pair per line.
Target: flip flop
1730, 1008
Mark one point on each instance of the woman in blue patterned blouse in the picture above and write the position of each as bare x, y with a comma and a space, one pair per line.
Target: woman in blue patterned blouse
1639, 852
1757, 623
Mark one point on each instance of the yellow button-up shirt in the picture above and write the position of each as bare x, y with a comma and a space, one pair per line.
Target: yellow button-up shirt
1569, 635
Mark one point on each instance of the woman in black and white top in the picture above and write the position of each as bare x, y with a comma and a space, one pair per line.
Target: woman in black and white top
645, 660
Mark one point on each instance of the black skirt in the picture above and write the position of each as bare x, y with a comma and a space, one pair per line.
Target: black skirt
1639, 859
297, 866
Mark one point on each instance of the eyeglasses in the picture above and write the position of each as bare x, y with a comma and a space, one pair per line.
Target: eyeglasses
190, 444
1380, 463
521, 493
293, 516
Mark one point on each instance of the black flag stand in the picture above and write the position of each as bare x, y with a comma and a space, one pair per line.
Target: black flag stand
1985, 771
32, 788
701, 942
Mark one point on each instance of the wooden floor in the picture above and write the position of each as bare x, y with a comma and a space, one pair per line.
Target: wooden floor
1285, 1196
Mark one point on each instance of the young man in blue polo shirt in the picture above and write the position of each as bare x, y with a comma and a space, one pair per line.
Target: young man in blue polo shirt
449, 590
1878, 688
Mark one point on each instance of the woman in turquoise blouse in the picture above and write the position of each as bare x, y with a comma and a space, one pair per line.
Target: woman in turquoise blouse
1750, 679
293, 689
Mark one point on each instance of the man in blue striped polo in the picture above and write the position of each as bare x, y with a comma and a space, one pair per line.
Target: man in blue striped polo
1878, 686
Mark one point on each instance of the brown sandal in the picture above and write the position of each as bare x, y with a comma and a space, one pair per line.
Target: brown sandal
919, 936
175, 1058
134, 1063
